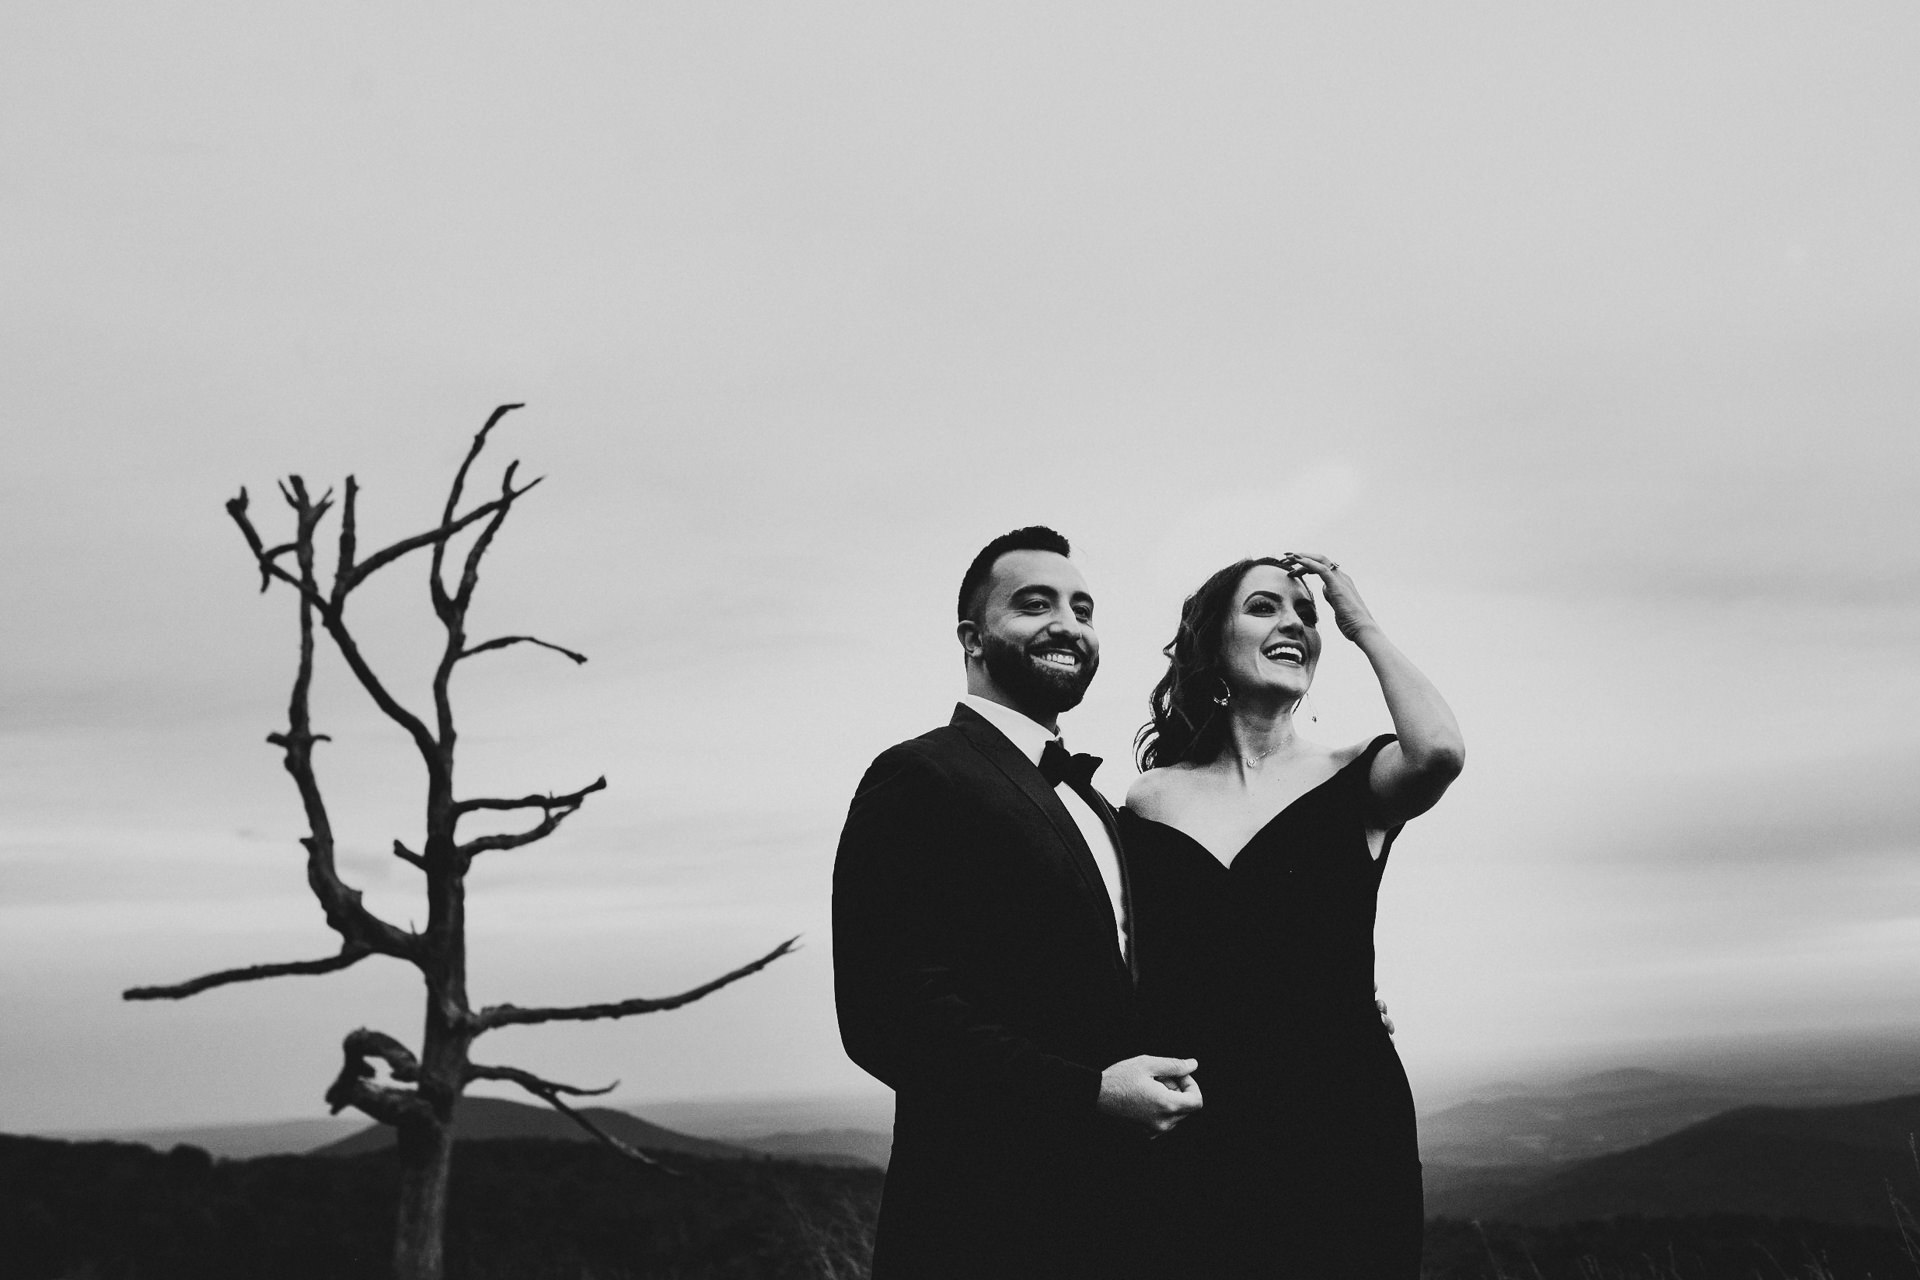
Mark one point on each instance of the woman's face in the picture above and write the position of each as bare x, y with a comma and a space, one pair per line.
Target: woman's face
1270, 644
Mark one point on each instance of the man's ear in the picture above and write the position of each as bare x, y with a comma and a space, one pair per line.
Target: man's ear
969, 633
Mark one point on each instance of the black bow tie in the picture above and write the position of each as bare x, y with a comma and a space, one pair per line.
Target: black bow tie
1058, 765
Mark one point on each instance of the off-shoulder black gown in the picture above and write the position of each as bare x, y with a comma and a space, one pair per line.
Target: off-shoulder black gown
1304, 1162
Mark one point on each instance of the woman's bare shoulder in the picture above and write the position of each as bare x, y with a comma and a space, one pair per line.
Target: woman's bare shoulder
1158, 791
1341, 757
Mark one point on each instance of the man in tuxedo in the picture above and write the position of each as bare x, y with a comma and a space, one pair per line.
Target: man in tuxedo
982, 962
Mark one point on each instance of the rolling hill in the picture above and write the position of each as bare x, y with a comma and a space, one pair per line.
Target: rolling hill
827, 1146
1835, 1164
492, 1119
233, 1141
1586, 1116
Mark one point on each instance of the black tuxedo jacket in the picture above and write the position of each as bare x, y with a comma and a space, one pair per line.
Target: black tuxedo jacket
977, 971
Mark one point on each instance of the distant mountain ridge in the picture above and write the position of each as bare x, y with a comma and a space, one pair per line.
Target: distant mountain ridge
478, 1119
492, 1119
1586, 1116
828, 1146
1837, 1164
234, 1141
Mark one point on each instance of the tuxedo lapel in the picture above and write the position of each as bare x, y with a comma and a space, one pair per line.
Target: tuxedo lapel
1026, 777
1111, 822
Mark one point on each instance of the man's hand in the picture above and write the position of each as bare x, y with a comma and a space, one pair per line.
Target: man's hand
1157, 1093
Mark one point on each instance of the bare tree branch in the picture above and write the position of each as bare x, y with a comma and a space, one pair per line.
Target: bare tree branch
308, 513
365, 1043
361, 932
342, 905
558, 809
407, 855
350, 650
470, 573
266, 560
433, 537
347, 575
442, 603
572, 798
503, 641
349, 540
350, 954
550, 1092
448, 522
506, 1015
517, 839
308, 516
354, 1086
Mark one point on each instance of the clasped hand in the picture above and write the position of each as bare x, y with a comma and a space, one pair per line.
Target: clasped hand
1156, 1093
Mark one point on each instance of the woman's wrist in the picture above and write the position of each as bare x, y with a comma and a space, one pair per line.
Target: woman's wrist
1365, 633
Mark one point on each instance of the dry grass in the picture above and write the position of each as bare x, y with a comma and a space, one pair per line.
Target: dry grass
835, 1235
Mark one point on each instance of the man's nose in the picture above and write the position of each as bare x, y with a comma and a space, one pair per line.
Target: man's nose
1066, 625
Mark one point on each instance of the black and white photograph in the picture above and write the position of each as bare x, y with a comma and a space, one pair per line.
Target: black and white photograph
1043, 641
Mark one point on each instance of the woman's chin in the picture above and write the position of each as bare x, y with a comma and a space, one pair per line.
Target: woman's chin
1275, 689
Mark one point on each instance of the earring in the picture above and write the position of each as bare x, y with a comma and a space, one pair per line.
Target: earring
1223, 697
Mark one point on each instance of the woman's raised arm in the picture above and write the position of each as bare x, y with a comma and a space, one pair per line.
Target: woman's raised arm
1409, 775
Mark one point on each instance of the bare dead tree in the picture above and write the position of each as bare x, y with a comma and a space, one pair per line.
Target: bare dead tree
418, 1096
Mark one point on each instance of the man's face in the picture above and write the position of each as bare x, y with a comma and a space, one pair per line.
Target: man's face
1035, 632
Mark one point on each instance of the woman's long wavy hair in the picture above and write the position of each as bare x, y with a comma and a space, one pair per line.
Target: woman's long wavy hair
1187, 724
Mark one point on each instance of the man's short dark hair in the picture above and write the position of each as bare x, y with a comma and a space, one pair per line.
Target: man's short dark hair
1035, 537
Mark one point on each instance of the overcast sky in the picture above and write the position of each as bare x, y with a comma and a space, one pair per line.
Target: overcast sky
1583, 336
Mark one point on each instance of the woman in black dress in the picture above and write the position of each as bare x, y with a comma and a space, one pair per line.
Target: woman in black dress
1256, 856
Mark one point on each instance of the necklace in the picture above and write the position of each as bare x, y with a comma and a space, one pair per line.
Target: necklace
1253, 760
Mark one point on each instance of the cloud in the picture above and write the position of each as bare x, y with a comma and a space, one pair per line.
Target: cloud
1807, 815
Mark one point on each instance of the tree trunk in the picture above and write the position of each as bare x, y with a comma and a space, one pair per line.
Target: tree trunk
426, 1155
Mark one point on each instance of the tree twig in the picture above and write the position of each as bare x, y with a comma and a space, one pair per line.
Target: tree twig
354, 1086
572, 798
470, 572
503, 641
557, 809
442, 603
433, 537
549, 1091
507, 1015
350, 954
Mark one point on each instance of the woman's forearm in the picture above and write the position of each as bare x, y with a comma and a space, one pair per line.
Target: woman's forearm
1429, 735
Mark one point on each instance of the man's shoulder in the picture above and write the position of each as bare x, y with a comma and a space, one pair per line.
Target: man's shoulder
936, 768
958, 754
935, 745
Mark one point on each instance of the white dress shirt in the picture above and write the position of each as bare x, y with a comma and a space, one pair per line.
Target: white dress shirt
1031, 738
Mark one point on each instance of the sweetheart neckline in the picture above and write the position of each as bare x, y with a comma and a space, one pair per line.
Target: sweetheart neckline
1230, 863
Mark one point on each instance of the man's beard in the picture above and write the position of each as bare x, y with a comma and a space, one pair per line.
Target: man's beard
1031, 682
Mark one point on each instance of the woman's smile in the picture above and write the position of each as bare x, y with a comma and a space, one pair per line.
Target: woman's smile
1286, 651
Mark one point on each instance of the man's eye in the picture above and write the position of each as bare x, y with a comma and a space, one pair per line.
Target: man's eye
1084, 614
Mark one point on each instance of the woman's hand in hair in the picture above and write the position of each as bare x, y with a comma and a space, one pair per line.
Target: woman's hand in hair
1350, 612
